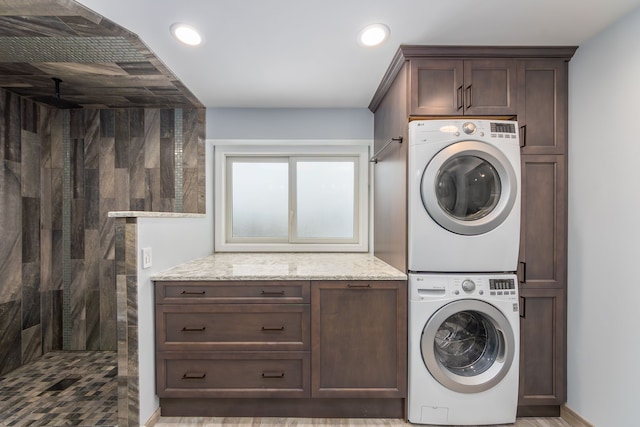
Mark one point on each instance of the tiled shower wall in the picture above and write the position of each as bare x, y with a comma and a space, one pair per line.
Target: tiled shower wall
122, 159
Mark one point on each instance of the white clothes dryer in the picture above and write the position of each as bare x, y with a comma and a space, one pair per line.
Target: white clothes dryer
463, 349
464, 196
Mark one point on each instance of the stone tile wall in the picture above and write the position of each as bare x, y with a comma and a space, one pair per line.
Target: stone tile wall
122, 159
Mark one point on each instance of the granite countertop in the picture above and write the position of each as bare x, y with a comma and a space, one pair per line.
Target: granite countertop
283, 266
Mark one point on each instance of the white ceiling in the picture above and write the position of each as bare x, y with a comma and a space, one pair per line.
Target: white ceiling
304, 54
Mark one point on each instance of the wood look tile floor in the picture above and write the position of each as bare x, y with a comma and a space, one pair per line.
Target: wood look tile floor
327, 422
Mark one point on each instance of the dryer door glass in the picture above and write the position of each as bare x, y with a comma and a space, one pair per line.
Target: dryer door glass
468, 188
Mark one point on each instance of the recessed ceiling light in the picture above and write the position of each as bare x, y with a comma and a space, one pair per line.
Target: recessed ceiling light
186, 34
373, 35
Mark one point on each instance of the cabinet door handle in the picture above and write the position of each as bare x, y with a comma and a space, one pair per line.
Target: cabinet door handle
459, 98
523, 307
358, 285
522, 277
523, 136
279, 374
271, 293
273, 328
194, 375
200, 329
193, 292
468, 96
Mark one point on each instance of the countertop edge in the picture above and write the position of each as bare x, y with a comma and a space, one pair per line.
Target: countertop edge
143, 214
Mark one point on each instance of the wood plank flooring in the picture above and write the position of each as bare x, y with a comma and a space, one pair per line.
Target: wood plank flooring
325, 422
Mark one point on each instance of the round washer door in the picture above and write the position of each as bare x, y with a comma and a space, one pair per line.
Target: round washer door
469, 187
468, 346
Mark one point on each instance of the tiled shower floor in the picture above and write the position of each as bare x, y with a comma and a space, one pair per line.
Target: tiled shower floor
90, 398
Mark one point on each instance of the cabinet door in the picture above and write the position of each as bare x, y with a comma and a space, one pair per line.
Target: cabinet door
542, 106
543, 253
490, 87
359, 339
436, 87
542, 347
456, 87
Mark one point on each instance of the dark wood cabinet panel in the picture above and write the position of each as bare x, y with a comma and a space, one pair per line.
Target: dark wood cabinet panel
233, 327
443, 87
542, 347
233, 374
490, 87
543, 256
390, 175
542, 106
437, 87
260, 292
359, 339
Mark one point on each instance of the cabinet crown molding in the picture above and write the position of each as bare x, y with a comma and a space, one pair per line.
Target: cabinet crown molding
407, 52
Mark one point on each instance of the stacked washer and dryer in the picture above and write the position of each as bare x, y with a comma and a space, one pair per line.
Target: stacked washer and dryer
463, 240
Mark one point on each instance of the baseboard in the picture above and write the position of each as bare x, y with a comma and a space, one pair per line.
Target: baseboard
153, 419
284, 407
573, 418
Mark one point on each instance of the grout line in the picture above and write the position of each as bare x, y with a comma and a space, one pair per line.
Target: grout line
66, 231
179, 145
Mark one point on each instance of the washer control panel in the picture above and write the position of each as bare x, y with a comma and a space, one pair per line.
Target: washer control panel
426, 286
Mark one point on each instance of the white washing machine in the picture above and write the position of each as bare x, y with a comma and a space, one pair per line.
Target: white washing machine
464, 196
464, 333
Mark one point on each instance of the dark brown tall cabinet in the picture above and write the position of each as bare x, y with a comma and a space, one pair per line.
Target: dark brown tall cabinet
524, 83
542, 273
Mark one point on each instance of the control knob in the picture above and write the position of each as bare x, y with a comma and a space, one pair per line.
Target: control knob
469, 128
468, 285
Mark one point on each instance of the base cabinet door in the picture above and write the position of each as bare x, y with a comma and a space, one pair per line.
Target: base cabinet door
542, 347
358, 339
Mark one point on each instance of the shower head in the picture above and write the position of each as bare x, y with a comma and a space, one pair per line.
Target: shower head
55, 100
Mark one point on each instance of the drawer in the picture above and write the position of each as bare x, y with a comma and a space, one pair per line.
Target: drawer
241, 292
233, 374
233, 327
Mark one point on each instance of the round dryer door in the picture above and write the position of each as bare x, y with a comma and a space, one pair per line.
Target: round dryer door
468, 346
469, 188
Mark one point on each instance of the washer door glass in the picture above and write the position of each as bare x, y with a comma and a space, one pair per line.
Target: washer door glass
469, 187
468, 346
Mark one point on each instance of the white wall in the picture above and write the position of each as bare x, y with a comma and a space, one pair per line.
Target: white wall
173, 241
289, 123
604, 236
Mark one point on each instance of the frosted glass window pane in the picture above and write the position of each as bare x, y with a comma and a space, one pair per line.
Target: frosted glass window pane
325, 199
260, 199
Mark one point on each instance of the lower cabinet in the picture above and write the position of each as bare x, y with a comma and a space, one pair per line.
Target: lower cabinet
322, 348
542, 351
358, 339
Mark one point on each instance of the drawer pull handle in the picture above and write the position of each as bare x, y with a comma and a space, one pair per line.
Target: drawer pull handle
194, 376
356, 285
201, 329
273, 374
193, 292
272, 293
273, 328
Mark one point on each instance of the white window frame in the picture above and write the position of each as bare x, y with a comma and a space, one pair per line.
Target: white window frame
297, 151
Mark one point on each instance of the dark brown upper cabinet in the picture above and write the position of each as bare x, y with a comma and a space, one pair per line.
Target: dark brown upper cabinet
542, 105
467, 87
